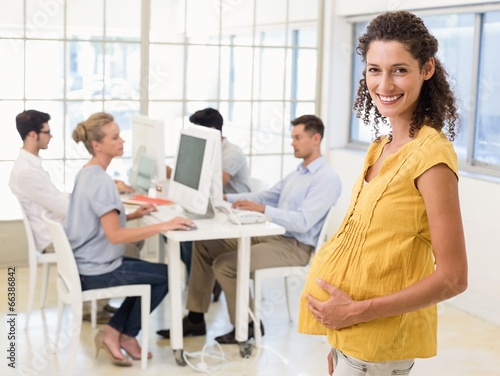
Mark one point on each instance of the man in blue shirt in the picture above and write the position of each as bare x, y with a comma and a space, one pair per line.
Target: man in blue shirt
299, 202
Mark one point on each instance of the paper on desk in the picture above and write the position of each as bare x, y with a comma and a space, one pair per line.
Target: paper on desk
142, 199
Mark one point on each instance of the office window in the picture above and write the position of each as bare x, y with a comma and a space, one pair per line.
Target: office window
478, 142
254, 60
487, 136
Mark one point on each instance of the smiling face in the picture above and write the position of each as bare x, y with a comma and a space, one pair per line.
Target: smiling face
394, 79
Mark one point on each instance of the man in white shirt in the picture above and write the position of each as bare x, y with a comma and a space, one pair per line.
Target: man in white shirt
32, 186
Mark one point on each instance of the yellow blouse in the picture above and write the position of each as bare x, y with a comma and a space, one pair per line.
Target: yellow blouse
383, 246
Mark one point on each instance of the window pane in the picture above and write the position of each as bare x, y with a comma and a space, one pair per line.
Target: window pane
166, 71
10, 142
12, 73
203, 21
303, 108
167, 21
202, 72
267, 128
85, 70
303, 85
271, 13
266, 167
120, 26
359, 132
455, 33
172, 116
85, 19
56, 172
44, 19
11, 19
236, 73
308, 37
122, 71
487, 140
301, 11
237, 18
269, 73
290, 163
237, 123
45, 81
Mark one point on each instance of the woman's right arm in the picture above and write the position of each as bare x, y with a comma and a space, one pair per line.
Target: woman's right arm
117, 234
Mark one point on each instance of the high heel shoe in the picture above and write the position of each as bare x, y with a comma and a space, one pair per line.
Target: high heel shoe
99, 344
124, 339
150, 355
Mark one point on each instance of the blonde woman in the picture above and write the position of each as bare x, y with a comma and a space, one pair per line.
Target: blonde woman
95, 226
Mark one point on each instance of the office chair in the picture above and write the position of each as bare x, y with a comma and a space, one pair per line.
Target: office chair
69, 291
36, 258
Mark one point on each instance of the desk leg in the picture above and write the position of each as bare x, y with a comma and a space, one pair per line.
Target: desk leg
242, 291
175, 286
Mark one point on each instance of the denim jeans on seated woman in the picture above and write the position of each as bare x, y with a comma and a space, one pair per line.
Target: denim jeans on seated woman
127, 319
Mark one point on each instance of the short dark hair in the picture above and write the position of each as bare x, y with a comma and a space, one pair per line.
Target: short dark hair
312, 124
30, 120
208, 117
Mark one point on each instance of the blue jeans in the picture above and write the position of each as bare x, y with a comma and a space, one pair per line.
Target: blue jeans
127, 319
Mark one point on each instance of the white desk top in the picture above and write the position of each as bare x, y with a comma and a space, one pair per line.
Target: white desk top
218, 227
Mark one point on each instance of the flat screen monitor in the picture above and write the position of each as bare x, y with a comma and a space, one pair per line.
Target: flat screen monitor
196, 181
148, 152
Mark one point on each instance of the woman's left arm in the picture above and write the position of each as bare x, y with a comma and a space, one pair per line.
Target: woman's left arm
439, 189
141, 211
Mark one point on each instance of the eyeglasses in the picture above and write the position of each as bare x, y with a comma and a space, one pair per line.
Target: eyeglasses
45, 132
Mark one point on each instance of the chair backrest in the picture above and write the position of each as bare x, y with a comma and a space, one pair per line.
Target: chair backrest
257, 185
32, 251
330, 226
69, 287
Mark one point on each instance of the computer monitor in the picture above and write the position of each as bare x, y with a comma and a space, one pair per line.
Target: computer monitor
148, 152
196, 182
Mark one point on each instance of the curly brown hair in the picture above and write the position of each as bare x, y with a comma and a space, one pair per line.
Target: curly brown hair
436, 106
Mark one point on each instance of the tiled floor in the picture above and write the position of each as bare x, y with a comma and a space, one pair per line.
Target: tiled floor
467, 346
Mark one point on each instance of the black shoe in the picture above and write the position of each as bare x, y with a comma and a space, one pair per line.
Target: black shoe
217, 291
110, 309
230, 338
189, 328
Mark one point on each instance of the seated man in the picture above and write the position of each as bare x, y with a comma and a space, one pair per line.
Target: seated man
299, 203
32, 186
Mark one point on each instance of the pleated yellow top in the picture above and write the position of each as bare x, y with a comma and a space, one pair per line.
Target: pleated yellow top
383, 246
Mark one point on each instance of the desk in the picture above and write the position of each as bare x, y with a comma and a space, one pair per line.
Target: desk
208, 229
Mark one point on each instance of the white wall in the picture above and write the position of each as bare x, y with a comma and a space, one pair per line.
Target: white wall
480, 200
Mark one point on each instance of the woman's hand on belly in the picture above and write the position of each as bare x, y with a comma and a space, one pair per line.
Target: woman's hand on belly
337, 312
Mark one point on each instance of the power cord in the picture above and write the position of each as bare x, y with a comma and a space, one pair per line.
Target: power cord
203, 355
